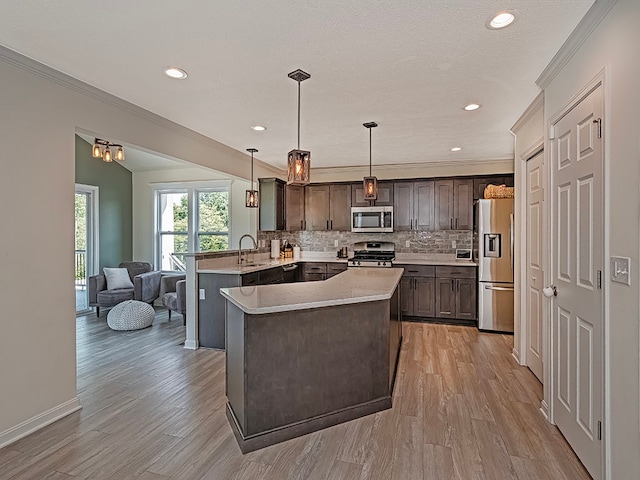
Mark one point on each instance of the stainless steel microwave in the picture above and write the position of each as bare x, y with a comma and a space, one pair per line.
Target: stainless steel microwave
372, 219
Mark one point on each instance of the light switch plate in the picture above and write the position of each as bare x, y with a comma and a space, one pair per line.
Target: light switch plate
202, 294
408, 244
335, 243
621, 270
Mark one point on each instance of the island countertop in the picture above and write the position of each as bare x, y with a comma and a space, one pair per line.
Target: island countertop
356, 285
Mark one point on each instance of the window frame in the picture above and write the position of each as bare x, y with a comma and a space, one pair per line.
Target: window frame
192, 190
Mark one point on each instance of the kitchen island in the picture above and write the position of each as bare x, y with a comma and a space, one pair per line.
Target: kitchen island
306, 356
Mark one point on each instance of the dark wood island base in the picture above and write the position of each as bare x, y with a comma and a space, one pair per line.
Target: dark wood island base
294, 372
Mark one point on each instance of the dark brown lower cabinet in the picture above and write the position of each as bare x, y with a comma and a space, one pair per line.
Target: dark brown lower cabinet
417, 291
456, 293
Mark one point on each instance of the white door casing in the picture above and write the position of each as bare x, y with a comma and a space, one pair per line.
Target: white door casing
577, 250
535, 249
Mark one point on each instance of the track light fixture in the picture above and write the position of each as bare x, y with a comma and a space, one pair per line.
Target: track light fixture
298, 161
101, 150
251, 196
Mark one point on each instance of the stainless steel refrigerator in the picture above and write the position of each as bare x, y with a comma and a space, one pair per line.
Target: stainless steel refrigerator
494, 236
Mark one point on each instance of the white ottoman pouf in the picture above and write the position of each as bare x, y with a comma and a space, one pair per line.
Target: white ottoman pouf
130, 315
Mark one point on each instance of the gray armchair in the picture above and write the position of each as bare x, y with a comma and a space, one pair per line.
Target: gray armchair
173, 293
146, 287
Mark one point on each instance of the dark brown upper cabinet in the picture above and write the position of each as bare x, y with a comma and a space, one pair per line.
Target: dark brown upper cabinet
413, 205
385, 195
454, 204
328, 207
294, 207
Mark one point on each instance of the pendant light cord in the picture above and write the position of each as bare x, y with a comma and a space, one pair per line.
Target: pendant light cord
369, 152
298, 114
251, 170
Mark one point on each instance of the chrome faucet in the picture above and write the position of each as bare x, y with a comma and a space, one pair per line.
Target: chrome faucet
255, 246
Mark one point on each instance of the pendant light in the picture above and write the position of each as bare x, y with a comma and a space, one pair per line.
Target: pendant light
370, 183
251, 196
298, 161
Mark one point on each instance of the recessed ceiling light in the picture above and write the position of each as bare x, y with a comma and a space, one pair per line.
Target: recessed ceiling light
175, 72
471, 107
456, 149
259, 128
500, 20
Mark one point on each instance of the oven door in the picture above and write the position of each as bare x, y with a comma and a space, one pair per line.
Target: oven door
372, 219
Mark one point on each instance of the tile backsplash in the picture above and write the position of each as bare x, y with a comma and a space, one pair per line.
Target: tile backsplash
420, 242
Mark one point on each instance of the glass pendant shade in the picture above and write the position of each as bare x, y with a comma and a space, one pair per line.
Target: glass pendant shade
97, 151
106, 156
251, 199
370, 188
120, 154
298, 167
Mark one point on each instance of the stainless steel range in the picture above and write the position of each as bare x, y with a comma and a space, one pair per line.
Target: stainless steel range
372, 254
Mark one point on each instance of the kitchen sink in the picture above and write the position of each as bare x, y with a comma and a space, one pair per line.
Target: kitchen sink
254, 264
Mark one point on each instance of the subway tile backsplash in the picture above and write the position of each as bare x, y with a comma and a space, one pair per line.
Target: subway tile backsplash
420, 242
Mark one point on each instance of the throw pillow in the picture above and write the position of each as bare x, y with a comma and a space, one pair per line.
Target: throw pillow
117, 278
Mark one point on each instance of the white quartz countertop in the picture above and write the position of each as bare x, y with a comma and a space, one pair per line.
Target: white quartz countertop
356, 285
230, 267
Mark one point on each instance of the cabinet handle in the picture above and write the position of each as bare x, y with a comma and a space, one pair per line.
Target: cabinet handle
331, 223
451, 223
453, 285
411, 224
456, 223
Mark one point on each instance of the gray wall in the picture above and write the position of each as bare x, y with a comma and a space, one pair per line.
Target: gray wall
115, 209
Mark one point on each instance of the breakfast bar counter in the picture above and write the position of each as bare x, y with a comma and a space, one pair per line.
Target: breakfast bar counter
305, 356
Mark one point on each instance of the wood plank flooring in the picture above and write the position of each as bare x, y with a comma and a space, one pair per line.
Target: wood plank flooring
463, 409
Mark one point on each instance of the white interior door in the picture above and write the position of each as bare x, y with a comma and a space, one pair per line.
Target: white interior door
535, 262
577, 259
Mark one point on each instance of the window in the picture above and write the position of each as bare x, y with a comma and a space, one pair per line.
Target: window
190, 219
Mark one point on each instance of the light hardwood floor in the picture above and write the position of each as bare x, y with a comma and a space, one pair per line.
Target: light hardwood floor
463, 409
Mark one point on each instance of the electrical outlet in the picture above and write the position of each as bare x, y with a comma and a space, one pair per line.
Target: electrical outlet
202, 294
407, 243
453, 244
335, 243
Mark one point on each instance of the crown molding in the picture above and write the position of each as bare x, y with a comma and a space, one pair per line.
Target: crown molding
48, 73
576, 39
536, 105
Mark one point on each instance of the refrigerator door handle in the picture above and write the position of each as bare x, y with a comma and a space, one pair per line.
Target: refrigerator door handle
511, 241
501, 289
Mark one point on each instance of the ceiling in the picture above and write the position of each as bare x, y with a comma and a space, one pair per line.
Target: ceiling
409, 65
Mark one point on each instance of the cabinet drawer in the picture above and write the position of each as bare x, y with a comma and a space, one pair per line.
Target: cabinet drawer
314, 267
417, 270
334, 268
250, 279
456, 272
314, 277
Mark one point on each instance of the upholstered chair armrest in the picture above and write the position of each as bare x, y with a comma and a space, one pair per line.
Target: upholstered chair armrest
168, 282
146, 286
181, 290
97, 283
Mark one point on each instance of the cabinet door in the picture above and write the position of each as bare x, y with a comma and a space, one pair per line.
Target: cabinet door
424, 297
466, 299
271, 214
357, 195
385, 194
316, 207
424, 205
444, 204
271, 276
406, 295
463, 204
340, 207
294, 207
445, 298
402, 206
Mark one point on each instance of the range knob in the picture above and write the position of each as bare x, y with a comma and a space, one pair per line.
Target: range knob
384, 264
358, 262
378, 263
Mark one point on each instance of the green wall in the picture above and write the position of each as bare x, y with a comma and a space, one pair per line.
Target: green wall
115, 193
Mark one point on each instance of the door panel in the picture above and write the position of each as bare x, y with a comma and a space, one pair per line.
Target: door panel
466, 299
424, 297
294, 207
316, 207
424, 206
444, 204
445, 298
535, 272
406, 295
577, 257
463, 204
340, 207
402, 206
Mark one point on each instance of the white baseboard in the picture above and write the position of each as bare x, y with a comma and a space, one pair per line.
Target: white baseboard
39, 421
516, 355
191, 345
544, 409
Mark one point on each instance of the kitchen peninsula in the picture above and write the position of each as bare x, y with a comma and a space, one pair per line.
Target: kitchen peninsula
306, 356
